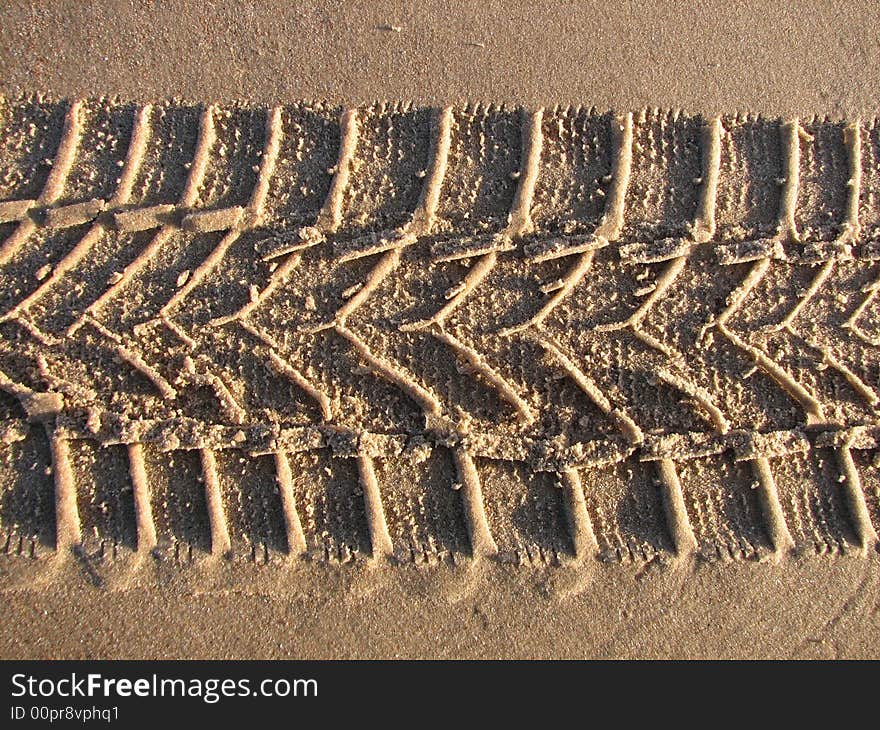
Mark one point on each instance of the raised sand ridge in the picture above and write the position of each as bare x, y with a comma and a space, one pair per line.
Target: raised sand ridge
430, 334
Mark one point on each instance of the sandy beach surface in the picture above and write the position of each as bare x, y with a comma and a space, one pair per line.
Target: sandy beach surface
421, 291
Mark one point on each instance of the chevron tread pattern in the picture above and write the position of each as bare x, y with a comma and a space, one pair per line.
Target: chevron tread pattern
407, 334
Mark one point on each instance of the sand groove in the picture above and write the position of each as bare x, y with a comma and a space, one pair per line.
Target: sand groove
460, 332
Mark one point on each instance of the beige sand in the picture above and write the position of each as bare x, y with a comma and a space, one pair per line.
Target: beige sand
757, 546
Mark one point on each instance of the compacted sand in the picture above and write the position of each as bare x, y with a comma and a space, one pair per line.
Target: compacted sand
564, 347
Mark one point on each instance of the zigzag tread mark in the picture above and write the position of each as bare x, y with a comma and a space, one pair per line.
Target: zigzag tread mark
822, 174
226, 499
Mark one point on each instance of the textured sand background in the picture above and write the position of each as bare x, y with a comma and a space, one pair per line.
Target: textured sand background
755, 57
777, 58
